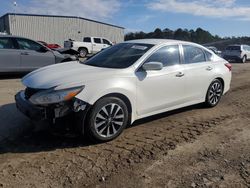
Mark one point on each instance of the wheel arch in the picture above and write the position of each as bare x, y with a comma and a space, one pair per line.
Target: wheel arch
222, 81
83, 48
125, 99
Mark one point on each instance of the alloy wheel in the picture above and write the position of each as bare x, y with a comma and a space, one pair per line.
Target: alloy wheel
215, 93
109, 120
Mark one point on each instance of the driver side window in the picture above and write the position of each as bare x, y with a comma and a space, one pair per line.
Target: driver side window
25, 44
168, 55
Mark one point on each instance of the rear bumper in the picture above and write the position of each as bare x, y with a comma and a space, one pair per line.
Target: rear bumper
233, 58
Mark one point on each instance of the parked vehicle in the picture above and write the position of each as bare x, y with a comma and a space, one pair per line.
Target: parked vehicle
50, 46
90, 45
215, 50
68, 51
237, 53
18, 54
126, 82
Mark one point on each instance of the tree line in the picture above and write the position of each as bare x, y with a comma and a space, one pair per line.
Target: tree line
199, 36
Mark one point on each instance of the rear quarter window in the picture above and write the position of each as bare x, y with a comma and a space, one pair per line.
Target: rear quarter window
208, 55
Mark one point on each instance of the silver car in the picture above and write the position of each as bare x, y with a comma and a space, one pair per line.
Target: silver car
237, 53
18, 54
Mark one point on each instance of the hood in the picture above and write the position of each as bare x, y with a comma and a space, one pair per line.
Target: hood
70, 73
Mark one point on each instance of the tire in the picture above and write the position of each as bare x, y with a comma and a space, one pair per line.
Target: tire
82, 52
107, 119
214, 93
244, 59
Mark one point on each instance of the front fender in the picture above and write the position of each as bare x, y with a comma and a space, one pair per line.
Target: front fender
94, 90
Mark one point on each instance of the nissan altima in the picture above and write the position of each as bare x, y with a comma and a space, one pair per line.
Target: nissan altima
125, 82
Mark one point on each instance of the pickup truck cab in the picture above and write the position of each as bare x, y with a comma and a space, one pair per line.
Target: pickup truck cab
89, 45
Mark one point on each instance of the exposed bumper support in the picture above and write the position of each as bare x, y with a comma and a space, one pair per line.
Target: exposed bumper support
50, 112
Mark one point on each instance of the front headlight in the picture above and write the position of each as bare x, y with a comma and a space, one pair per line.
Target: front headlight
52, 96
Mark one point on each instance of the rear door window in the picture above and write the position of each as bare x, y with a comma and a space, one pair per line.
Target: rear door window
6, 43
97, 40
193, 54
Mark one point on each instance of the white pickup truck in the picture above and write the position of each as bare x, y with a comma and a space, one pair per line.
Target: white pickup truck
90, 45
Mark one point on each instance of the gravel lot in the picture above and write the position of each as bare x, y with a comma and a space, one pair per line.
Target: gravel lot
191, 147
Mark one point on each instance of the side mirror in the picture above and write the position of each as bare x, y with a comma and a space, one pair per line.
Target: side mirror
152, 66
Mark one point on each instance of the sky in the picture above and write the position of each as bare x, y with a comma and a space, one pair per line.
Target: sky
225, 18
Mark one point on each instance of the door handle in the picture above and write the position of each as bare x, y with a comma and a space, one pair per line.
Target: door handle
180, 74
25, 53
209, 68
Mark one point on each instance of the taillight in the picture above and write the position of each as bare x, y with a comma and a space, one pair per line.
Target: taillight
229, 66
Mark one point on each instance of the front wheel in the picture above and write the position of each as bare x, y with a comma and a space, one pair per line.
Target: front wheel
214, 93
107, 119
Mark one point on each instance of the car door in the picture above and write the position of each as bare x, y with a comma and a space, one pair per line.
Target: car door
9, 56
34, 55
199, 72
162, 89
97, 45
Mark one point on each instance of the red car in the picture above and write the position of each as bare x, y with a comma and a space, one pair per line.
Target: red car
51, 46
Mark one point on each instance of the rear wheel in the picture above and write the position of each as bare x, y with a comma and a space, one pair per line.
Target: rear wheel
107, 119
214, 93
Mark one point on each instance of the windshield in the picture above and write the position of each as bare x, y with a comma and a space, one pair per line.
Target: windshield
121, 55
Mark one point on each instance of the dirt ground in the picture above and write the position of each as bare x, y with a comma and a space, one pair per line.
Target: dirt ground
190, 147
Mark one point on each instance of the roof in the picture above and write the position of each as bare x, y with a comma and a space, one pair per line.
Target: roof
58, 16
158, 41
11, 36
238, 45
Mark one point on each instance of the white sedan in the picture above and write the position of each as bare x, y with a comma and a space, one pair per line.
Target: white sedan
125, 82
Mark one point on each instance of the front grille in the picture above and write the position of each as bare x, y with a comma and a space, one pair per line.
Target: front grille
30, 91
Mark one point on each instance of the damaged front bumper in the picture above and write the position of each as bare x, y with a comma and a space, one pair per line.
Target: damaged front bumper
48, 112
